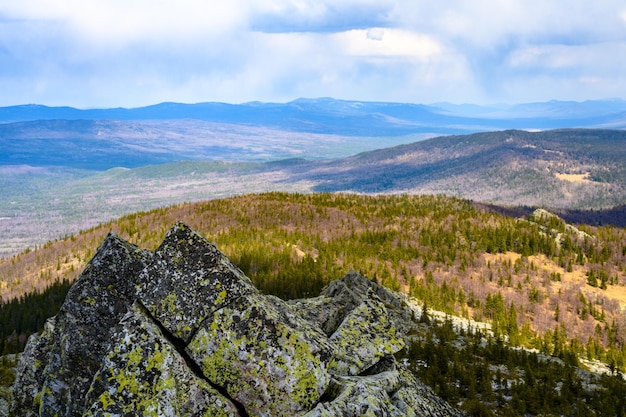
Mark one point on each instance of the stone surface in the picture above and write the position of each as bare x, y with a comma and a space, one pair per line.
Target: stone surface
183, 332
353, 289
57, 368
268, 358
188, 280
363, 338
145, 375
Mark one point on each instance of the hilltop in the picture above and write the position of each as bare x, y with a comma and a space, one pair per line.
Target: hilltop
449, 252
538, 282
571, 169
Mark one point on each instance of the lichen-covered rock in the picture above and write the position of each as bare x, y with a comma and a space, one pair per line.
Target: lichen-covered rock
352, 312
29, 375
57, 367
267, 357
182, 331
364, 338
354, 288
389, 391
188, 280
326, 313
145, 375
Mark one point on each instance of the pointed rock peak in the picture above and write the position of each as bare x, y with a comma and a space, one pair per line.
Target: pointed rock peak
181, 239
114, 246
69, 353
184, 250
358, 288
355, 280
188, 280
181, 235
352, 281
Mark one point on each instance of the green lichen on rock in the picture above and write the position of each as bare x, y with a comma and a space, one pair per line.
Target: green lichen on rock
264, 355
183, 332
58, 367
326, 312
391, 391
144, 375
189, 279
364, 338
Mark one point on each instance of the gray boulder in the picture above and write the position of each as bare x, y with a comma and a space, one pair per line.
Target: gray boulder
181, 331
144, 374
58, 366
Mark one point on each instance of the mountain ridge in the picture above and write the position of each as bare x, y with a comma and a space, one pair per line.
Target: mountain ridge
552, 168
328, 115
520, 275
567, 169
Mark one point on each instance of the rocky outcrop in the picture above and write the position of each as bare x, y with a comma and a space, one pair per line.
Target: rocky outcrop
544, 218
181, 331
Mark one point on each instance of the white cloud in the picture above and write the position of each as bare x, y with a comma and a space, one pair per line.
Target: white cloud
123, 21
375, 34
485, 23
388, 42
598, 57
569, 72
544, 56
114, 52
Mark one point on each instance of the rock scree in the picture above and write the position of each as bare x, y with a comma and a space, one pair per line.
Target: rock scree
181, 331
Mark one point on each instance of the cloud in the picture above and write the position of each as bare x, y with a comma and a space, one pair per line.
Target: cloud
320, 15
390, 42
582, 61
112, 52
571, 72
117, 21
375, 34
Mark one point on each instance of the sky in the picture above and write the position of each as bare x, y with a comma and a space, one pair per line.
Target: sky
131, 53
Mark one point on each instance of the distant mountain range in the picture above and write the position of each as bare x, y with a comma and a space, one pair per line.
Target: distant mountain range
355, 118
65, 169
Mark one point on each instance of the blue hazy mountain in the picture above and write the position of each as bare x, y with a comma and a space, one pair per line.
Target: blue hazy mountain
355, 118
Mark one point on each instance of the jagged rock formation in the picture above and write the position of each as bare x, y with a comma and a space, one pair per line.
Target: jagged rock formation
543, 217
183, 332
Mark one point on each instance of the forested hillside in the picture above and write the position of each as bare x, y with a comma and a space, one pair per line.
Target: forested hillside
573, 169
455, 256
565, 169
540, 282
